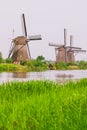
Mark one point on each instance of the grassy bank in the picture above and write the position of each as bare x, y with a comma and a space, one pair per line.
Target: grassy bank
5, 67
43, 105
41, 65
38, 64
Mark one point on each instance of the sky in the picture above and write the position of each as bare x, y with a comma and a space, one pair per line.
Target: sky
45, 17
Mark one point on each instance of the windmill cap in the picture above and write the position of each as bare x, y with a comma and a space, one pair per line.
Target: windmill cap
20, 40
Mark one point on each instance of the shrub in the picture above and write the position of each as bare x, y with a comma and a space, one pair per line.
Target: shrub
82, 65
61, 66
8, 60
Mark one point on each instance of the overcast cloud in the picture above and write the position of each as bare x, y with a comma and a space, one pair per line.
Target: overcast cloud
45, 17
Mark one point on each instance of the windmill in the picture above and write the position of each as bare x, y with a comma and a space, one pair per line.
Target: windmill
60, 50
19, 50
73, 50
63, 52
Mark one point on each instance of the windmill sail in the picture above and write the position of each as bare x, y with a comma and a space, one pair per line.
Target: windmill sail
56, 45
25, 34
35, 37
10, 51
81, 51
24, 25
65, 35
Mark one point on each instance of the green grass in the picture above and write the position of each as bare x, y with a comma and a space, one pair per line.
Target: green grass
9, 67
43, 105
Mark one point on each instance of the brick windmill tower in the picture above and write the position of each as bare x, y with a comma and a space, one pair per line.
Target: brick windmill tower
19, 50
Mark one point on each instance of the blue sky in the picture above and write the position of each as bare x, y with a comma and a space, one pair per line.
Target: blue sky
45, 17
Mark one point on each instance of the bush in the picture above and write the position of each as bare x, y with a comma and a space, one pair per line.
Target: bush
37, 64
52, 66
70, 64
61, 66
8, 60
82, 65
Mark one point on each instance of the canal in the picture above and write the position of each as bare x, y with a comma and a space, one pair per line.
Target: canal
54, 75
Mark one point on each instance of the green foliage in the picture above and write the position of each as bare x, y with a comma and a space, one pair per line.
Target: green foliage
12, 67
23, 62
43, 105
8, 60
37, 64
70, 64
61, 66
52, 66
30, 66
40, 58
82, 65
8, 67
1, 59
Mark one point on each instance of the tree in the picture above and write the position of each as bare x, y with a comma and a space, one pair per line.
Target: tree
40, 58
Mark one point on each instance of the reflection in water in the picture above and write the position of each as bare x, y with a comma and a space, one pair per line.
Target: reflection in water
19, 75
64, 77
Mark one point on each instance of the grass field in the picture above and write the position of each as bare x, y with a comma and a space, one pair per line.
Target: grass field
43, 105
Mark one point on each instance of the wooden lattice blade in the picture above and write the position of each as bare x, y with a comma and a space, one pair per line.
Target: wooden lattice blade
24, 25
76, 51
73, 47
35, 37
56, 45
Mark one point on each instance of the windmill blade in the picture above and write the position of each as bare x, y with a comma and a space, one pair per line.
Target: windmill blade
69, 47
25, 33
56, 45
76, 51
28, 51
71, 40
65, 35
10, 52
35, 37
24, 25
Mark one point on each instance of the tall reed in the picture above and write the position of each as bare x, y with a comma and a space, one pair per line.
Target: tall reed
43, 105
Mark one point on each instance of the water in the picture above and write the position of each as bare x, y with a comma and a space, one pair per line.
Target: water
58, 76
